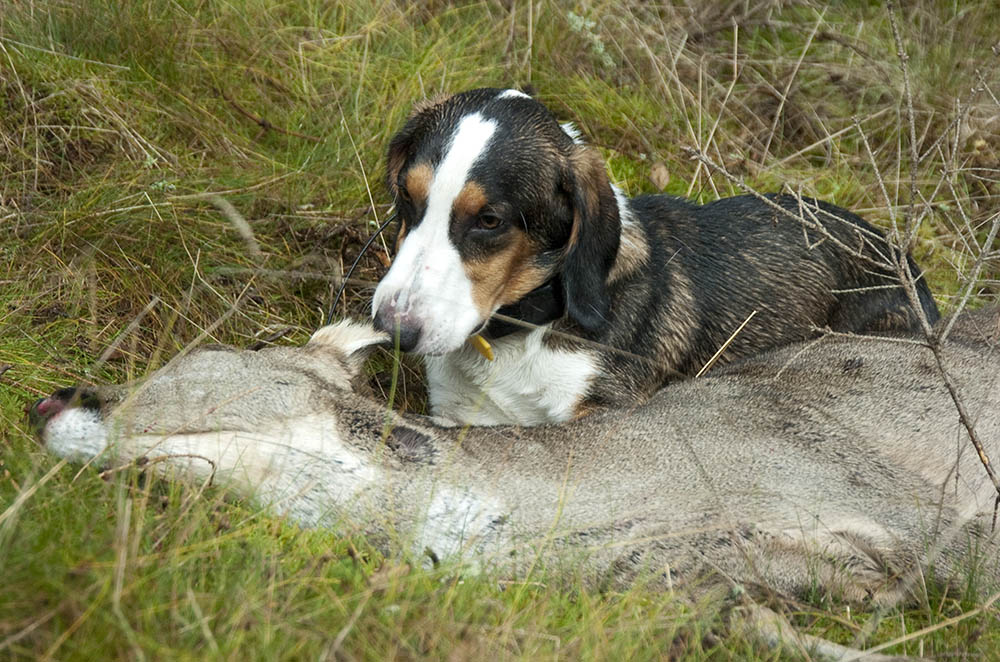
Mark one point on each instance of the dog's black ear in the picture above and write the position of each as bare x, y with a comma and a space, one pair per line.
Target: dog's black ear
400, 151
401, 145
593, 240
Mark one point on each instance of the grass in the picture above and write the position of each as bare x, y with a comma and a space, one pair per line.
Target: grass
118, 118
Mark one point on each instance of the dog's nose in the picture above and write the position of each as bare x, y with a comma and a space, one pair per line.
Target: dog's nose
391, 321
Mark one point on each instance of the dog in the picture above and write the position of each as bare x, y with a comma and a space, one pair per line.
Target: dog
782, 473
503, 210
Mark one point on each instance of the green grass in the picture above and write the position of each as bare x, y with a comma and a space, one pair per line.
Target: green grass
116, 119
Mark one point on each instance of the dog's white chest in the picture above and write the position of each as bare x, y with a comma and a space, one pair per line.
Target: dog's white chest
527, 383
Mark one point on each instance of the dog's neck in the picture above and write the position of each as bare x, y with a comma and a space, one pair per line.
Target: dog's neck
546, 303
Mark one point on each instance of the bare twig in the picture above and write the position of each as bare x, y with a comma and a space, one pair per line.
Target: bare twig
870, 653
264, 123
935, 340
49, 51
911, 124
805, 207
774, 630
973, 278
729, 341
270, 338
129, 330
966, 421
788, 88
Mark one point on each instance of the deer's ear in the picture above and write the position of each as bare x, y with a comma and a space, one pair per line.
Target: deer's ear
354, 341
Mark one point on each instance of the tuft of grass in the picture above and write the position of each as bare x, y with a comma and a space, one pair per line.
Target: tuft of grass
118, 120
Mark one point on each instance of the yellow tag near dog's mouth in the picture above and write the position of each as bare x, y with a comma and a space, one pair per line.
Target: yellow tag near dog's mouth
482, 346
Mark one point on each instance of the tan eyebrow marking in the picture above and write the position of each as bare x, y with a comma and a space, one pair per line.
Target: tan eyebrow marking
506, 276
418, 181
470, 199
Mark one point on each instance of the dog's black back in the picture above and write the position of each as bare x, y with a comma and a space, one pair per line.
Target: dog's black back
709, 267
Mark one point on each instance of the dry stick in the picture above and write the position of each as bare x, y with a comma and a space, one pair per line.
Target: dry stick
864, 655
906, 279
725, 102
129, 330
31, 627
910, 121
976, 269
774, 630
966, 421
788, 88
338, 641
292, 274
48, 51
813, 210
264, 123
196, 196
934, 340
600, 347
902, 340
718, 353
826, 139
364, 175
900, 262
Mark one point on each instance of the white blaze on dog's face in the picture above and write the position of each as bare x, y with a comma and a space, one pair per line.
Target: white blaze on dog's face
428, 280
491, 193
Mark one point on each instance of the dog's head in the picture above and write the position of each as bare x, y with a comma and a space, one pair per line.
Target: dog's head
494, 198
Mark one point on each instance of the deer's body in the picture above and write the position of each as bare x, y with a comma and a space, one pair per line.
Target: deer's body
839, 463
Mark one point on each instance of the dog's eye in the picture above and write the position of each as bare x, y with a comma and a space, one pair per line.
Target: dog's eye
403, 194
488, 221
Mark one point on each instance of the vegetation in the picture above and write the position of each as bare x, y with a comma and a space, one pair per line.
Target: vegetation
199, 170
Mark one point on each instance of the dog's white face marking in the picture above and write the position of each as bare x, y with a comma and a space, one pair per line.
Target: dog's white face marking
527, 383
427, 278
512, 94
570, 130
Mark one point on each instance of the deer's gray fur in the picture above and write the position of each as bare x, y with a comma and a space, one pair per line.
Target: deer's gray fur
838, 464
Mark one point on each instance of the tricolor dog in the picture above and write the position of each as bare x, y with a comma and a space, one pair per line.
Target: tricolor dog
502, 209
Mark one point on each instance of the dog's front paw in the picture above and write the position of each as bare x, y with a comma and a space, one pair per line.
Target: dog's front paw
70, 424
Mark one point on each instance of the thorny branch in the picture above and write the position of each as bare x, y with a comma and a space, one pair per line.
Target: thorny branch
935, 339
811, 221
808, 216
